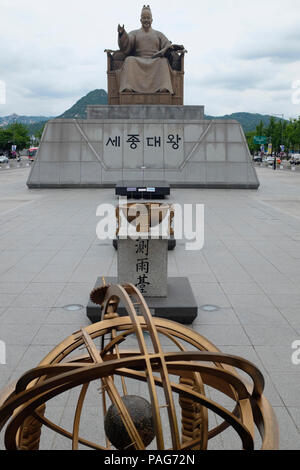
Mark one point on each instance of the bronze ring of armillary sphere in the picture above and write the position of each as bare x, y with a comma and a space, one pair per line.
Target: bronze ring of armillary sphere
160, 386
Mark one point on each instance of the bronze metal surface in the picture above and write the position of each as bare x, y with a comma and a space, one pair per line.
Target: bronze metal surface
179, 383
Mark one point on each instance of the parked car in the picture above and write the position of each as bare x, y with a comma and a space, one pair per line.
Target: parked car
295, 160
257, 158
3, 159
270, 160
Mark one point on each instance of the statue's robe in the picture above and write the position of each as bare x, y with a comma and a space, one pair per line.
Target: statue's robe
140, 73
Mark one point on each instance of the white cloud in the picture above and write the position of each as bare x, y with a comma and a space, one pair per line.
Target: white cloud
243, 56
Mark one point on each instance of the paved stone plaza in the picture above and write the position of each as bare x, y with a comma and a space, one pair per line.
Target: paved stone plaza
249, 268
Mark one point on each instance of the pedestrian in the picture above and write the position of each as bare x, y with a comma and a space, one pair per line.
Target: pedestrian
275, 162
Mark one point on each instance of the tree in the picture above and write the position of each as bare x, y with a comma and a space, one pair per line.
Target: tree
5, 139
259, 131
278, 132
15, 134
292, 134
20, 135
38, 134
250, 141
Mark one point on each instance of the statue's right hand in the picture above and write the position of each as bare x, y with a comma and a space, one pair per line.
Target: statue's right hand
121, 29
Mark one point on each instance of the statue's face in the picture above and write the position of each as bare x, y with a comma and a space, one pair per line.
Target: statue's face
146, 20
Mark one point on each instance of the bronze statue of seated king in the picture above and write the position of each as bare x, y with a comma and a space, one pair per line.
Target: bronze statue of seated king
147, 69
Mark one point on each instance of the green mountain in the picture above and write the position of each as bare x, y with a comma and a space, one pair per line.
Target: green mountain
248, 121
78, 111
36, 127
35, 124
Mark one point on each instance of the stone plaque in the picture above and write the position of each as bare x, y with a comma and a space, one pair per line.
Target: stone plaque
144, 263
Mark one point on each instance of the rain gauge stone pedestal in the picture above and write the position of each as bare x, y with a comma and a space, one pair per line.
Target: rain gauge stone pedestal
143, 262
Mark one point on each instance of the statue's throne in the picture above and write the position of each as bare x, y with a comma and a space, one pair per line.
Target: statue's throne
115, 61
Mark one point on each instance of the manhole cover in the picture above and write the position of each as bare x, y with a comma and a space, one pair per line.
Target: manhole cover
210, 308
73, 308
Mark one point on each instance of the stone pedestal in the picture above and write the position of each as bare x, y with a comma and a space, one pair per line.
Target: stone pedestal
180, 305
143, 143
148, 112
144, 263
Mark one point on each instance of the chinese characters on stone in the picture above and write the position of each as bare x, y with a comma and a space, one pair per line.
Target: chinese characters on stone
142, 265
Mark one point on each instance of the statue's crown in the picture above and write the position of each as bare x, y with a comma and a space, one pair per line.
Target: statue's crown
146, 8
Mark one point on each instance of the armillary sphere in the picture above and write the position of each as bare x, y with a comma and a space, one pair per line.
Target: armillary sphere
158, 383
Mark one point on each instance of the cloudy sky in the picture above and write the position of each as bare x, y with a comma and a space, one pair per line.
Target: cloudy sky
242, 55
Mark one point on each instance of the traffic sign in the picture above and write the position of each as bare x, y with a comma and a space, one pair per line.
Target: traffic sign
260, 140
